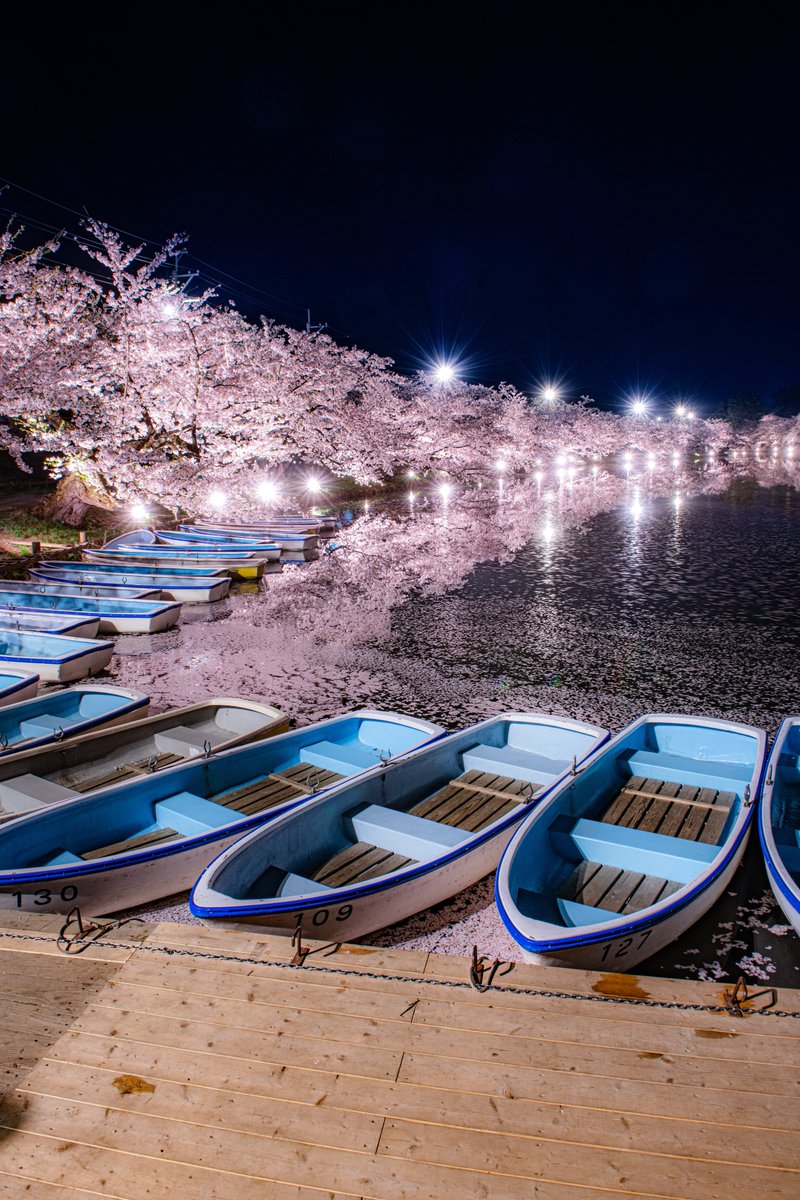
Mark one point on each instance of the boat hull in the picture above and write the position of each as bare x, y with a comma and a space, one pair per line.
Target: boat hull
354, 916
129, 616
621, 953
183, 590
69, 666
244, 568
623, 859
269, 882
16, 686
35, 879
778, 824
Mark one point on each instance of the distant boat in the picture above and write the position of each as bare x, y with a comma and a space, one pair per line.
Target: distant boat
55, 658
621, 860
17, 685
245, 565
380, 848
285, 539
138, 841
295, 522
84, 568
182, 539
115, 615
41, 587
779, 820
66, 713
185, 589
34, 778
15, 617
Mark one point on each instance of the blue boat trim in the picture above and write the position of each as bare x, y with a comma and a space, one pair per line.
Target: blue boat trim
613, 929
24, 682
232, 831
382, 883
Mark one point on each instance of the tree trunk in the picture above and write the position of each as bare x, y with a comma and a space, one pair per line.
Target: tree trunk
72, 503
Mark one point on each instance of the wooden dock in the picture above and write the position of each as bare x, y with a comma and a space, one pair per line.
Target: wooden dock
177, 1060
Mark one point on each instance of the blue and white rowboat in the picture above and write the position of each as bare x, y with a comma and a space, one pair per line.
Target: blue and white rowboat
184, 589
284, 539
180, 539
138, 841
56, 659
779, 820
378, 849
86, 626
115, 615
35, 778
83, 568
622, 859
66, 713
17, 685
40, 587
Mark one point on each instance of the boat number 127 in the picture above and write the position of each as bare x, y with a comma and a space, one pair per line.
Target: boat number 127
44, 896
623, 947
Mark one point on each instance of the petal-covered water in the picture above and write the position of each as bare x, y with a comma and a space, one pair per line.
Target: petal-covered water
601, 600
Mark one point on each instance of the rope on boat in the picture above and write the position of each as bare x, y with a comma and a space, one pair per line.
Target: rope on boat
735, 997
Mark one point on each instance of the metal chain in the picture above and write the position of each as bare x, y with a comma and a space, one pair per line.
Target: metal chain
459, 985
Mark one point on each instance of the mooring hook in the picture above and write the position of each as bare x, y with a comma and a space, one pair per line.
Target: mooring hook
740, 995
302, 952
313, 780
207, 748
481, 975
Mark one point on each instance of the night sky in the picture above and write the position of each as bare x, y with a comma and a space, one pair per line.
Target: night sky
606, 196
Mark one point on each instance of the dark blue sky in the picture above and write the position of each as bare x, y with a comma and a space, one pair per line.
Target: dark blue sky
606, 195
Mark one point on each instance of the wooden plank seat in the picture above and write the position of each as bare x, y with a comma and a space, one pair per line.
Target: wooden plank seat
358, 862
128, 771
676, 810
141, 842
474, 800
290, 784
613, 889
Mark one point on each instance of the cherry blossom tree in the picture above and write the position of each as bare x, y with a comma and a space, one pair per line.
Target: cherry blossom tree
136, 390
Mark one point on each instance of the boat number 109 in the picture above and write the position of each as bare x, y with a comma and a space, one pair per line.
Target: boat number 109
623, 947
44, 896
322, 915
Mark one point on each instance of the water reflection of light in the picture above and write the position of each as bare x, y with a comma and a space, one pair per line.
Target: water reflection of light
651, 461
548, 532
636, 508
411, 497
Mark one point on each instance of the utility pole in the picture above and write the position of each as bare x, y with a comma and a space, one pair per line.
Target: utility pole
313, 328
181, 280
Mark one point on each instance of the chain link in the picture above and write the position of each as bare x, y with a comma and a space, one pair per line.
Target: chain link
457, 984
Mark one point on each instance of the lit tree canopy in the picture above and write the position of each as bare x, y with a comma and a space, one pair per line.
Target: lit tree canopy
136, 389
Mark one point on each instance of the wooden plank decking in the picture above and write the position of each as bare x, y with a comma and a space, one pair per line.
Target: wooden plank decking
198, 1062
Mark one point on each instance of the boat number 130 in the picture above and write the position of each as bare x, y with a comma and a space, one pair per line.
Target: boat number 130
623, 947
44, 896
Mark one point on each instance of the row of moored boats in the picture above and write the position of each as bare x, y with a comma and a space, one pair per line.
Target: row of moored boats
136, 583
608, 848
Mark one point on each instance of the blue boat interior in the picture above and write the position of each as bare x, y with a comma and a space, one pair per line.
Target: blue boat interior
45, 715
417, 810
56, 602
68, 568
38, 647
785, 810
640, 822
205, 796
